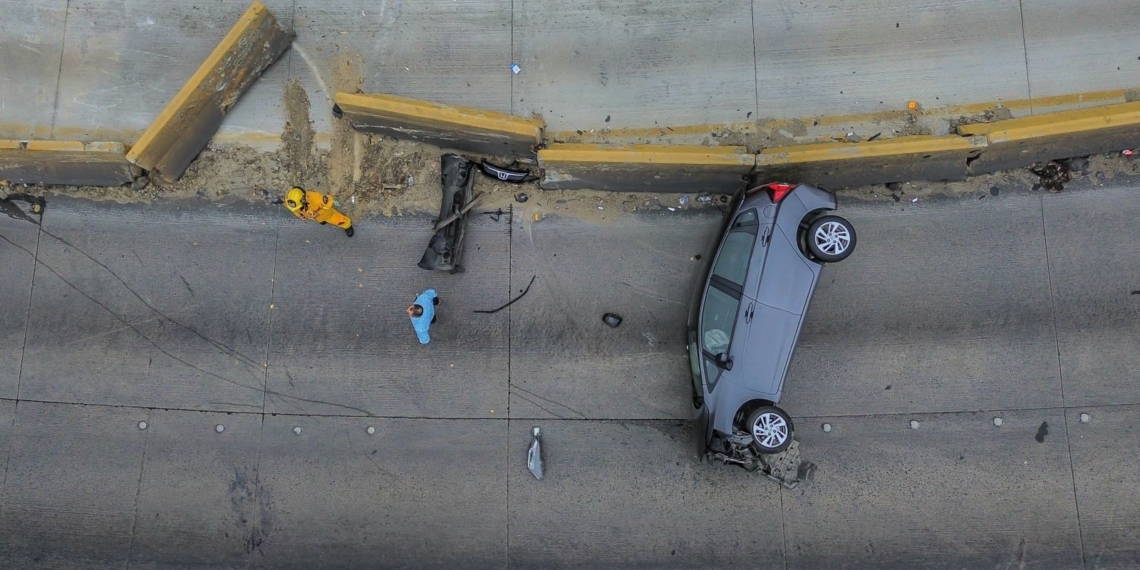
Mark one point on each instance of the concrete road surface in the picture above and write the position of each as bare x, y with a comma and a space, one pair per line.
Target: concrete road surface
293, 421
103, 69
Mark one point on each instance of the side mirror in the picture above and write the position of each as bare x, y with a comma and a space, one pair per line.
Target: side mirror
723, 361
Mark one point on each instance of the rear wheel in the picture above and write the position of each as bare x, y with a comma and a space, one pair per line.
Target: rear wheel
771, 429
831, 239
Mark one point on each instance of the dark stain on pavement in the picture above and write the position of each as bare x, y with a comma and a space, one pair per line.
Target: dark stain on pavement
1042, 431
249, 503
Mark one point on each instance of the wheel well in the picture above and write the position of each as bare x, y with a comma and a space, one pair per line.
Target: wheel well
805, 223
748, 407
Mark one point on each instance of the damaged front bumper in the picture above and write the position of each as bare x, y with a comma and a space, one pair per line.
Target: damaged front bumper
786, 467
446, 245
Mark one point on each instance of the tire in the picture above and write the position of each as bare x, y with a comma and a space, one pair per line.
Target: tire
830, 239
771, 429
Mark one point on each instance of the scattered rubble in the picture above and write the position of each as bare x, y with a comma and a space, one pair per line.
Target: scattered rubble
1053, 174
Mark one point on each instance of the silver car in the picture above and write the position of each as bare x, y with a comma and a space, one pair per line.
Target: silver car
748, 311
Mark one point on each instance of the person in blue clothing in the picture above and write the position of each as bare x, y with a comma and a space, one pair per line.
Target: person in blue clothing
422, 313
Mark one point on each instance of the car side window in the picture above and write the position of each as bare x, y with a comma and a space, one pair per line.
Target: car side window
717, 321
736, 251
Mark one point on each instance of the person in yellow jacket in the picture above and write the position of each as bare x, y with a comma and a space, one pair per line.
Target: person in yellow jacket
310, 205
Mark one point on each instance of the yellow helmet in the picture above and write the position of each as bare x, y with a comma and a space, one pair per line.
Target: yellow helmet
294, 198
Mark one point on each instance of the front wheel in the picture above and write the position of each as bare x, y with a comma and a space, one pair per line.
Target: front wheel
831, 239
771, 429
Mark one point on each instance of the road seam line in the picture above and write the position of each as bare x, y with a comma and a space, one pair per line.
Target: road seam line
59, 72
138, 493
1061, 380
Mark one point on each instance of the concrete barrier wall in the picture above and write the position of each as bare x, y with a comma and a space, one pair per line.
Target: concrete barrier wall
188, 122
1016, 143
461, 128
873, 162
70, 163
648, 168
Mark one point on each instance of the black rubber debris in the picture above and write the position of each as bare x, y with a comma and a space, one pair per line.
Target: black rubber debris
611, 320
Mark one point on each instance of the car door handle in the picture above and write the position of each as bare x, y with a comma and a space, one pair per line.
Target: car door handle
766, 236
748, 312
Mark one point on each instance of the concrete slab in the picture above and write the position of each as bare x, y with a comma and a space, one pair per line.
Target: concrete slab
1018, 143
1106, 457
17, 255
343, 345
944, 306
958, 492
151, 306
193, 116
873, 56
593, 64
199, 492
465, 128
565, 362
631, 495
31, 39
1085, 50
124, 61
65, 163
455, 53
1093, 247
418, 493
645, 168
72, 480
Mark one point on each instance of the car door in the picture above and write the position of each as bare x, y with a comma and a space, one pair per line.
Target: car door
725, 306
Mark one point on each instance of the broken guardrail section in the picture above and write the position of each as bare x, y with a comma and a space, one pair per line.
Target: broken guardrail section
448, 127
1017, 143
188, 122
644, 167
69, 163
837, 164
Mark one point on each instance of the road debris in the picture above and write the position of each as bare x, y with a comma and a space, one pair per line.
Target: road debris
611, 319
512, 301
515, 68
827, 428
1085, 418
521, 197
998, 422
450, 219
445, 248
534, 459
704, 199
1053, 174
683, 200
1042, 431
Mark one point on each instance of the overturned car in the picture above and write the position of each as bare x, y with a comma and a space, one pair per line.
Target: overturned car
747, 313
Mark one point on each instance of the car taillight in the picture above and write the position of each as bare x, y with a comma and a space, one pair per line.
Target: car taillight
776, 190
